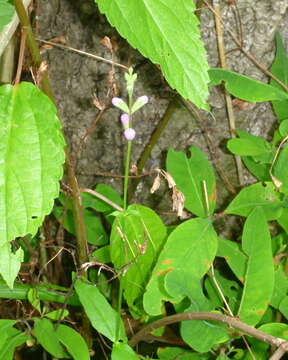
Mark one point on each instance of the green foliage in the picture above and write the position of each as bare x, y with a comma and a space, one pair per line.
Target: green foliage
245, 88
6, 13
259, 276
280, 69
191, 174
121, 351
137, 237
169, 36
31, 158
193, 242
102, 316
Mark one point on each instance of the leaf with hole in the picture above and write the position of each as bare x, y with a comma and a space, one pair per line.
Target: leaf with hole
169, 36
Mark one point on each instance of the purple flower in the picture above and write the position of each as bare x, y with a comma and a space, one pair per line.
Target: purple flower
125, 120
129, 134
143, 99
116, 101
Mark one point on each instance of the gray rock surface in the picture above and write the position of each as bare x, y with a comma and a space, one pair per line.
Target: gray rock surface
76, 78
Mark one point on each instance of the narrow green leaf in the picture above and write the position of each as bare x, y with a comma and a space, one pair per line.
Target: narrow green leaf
174, 353
169, 36
259, 277
46, 336
73, 342
247, 147
33, 298
6, 327
192, 242
136, 239
6, 13
280, 288
280, 170
263, 195
189, 174
234, 257
260, 171
121, 351
101, 314
31, 158
283, 127
245, 88
283, 219
280, 69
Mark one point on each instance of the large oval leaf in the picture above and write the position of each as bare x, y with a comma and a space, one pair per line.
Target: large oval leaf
31, 158
167, 33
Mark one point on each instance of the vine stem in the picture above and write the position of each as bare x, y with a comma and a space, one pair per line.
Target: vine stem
209, 316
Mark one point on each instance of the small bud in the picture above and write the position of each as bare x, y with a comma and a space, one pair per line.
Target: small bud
141, 101
129, 134
120, 104
125, 120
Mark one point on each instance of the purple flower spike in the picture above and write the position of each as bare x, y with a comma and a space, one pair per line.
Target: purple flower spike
116, 101
129, 134
125, 120
143, 99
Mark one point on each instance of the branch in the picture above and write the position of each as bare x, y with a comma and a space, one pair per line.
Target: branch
231, 321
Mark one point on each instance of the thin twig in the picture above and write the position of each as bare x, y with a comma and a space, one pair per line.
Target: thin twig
208, 316
103, 198
246, 53
21, 55
81, 52
280, 352
229, 106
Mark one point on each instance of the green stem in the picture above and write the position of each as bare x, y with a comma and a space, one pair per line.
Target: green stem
20, 292
126, 174
120, 294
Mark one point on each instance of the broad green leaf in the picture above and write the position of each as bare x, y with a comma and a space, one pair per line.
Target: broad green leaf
73, 342
175, 353
189, 174
263, 195
181, 284
283, 219
6, 13
249, 147
259, 277
283, 307
31, 159
234, 257
10, 263
283, 127
121, 351
280, 170
96, 234
192, 242
276, 329
169, 36
136, 239
101, 314
58, 314
7, 351
280, 288
244, 87
102, 255
260, 171
46, 336
280, 69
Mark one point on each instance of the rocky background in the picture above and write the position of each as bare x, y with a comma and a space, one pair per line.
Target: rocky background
75, 78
